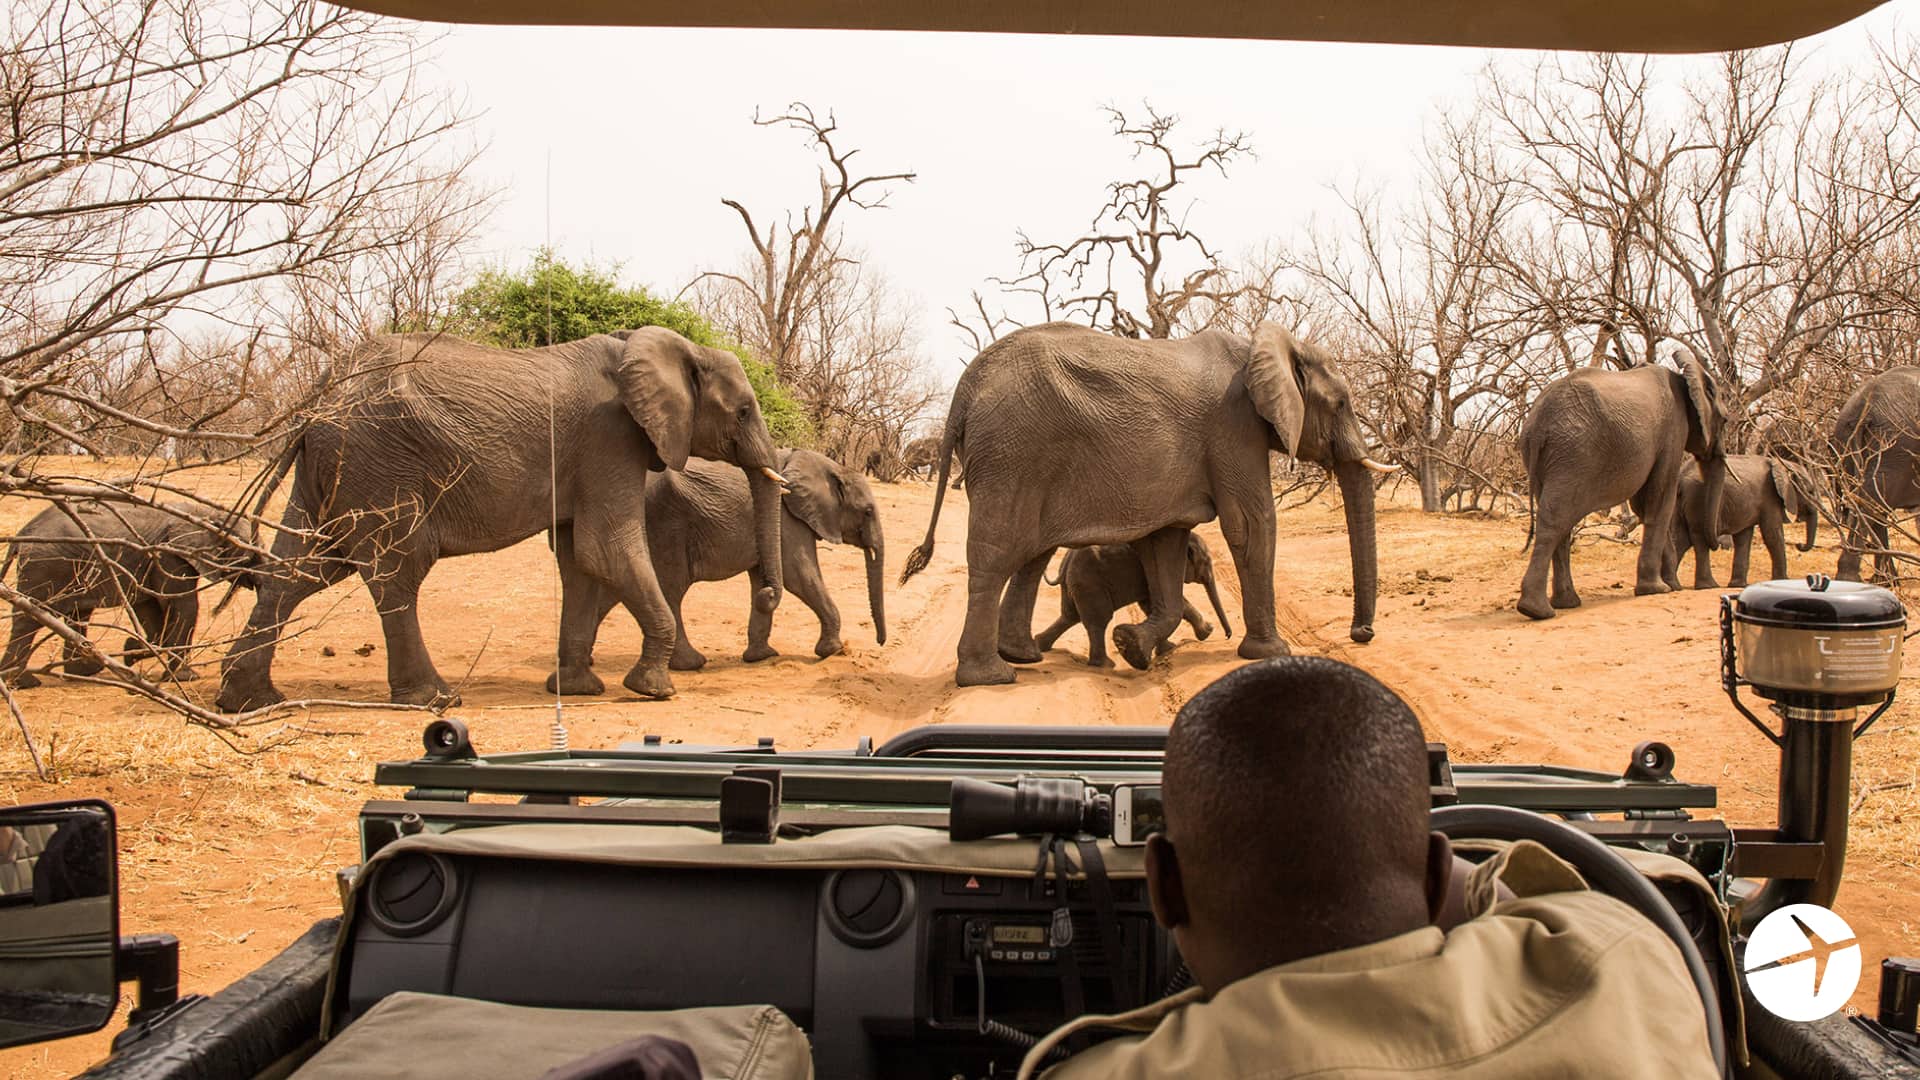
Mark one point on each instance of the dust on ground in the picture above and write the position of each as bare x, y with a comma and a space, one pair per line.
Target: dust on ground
237, 854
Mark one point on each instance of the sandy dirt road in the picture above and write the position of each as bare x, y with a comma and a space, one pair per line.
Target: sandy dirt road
236, 853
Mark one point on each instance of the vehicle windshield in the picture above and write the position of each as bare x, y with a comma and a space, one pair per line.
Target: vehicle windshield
344, 356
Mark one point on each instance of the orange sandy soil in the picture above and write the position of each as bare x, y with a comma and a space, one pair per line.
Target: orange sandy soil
236, 853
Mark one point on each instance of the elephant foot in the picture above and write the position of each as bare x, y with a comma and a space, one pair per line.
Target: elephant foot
1706, 582
1565, 601
690, 659
1254, 648
1020, 652
1203, 631
84, 667
757, 653
1739, 582
1134, 645
575, 681
133, 650
1360, 632
23, 681
1044, 644
1534, 609
1101, 661
234, 698
991, 671
435, 694
1650, 588
650, 682
829, 646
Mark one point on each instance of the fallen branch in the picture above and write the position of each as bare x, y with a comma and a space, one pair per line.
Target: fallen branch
1860, 800
32, 751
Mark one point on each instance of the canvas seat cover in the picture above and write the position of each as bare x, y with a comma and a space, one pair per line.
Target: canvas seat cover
411, 1036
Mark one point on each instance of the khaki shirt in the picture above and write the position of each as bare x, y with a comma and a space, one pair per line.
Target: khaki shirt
1566, 983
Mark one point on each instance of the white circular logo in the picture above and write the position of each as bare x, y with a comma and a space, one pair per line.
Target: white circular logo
1803, 962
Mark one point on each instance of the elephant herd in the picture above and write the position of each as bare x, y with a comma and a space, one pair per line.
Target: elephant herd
644, 457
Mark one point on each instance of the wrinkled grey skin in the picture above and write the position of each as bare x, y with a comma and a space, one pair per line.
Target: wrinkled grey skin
1095, 582
456, 437
700, 525
1877, 442
1596, 439
69, 563
1760, 492
922, 457
1073, 438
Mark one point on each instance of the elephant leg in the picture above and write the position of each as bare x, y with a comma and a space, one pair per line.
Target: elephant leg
1657, 501
19, 648
1069, 618
1877, 536
1678, 542
760, 623
1202, 629
411, 676
1017, 645
74, 660
1742, 557
1702, 544
1095, 615
1565, 596
805, 582
246, 672
1249, 539
1163, 554
584, 604
610, 540
1552, 555
1774, 535
980, 663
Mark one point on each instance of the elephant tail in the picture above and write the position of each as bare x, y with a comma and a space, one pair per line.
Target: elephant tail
270, 483
1533, 487
1062, 572
919, 557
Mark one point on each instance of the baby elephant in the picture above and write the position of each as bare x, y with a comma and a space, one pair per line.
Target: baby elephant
1095, 582
1761, 492
700, 528
148, 559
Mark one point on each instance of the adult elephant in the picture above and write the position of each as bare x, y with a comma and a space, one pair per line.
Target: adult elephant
452, 448
700, 527
1595, 439
1072, 438
1761, 493
1877, 468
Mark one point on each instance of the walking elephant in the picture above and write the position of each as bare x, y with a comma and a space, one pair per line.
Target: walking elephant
1877, 468
451, 448
1072, 438
148, 560
1595, 439
699, 523
1095, 582
1760, 492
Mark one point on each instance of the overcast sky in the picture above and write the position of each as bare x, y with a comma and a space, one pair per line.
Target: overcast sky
649, 129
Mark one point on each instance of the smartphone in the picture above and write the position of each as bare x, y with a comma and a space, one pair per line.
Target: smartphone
1136, 813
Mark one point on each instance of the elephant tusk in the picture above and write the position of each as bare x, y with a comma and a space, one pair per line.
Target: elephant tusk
1375, 466
773, 476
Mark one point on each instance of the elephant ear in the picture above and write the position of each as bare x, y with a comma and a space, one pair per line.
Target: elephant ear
1273, 380
813, 493
659, 381
1703, 401
1783, 484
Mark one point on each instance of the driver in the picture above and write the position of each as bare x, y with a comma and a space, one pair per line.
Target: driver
1301, 883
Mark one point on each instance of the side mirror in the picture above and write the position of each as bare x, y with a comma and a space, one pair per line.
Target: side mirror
59, 921
62, 958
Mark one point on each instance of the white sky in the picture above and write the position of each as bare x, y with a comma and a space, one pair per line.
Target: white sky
647, 129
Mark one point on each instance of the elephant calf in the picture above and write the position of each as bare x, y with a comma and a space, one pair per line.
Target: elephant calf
1097, 581
148, 559
700, 528
1759, 492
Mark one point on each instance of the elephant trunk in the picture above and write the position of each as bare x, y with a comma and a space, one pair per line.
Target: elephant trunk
1714, 470
1213, 594
766, 538
1356, 491
1812, 518
876, 579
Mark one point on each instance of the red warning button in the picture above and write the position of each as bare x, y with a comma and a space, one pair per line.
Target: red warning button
971, 885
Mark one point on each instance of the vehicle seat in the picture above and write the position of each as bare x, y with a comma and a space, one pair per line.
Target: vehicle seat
412, 1036
16, 865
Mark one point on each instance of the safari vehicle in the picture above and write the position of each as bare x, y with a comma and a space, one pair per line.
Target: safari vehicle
927, 907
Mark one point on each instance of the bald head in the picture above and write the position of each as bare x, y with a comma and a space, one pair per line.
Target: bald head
1296, 803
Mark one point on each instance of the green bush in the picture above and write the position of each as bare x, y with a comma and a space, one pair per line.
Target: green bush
515, 310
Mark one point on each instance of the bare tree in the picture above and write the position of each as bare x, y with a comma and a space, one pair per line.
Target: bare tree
195, 196
1140, 269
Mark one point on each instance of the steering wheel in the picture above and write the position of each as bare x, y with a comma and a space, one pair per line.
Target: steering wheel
1607, 872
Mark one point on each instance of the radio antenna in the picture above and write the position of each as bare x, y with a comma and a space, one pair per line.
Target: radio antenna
558, 730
